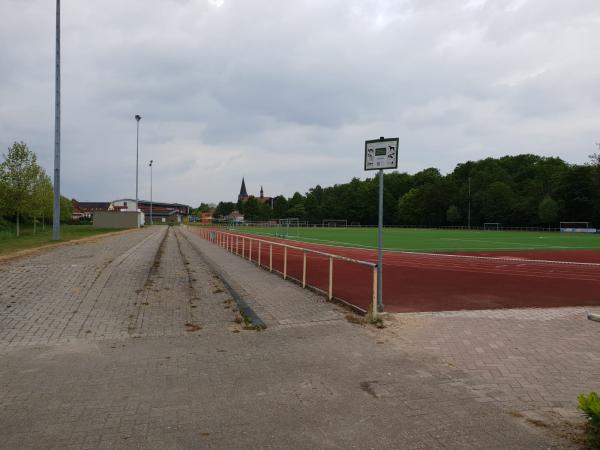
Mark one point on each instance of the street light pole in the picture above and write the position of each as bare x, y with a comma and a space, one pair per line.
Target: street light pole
56, 206
151, 220
137, 154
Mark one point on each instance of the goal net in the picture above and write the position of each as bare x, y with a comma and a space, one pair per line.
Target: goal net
335, 223
492, 226
289, 227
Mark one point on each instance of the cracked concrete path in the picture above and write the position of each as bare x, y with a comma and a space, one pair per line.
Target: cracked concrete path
130, 342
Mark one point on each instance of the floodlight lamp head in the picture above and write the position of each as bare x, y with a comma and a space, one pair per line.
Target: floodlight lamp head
138, 117
151, 161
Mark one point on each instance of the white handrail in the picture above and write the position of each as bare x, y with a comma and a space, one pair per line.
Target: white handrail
310, 250
227, 237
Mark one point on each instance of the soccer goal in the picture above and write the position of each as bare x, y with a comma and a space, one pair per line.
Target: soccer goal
492, 226
287, 228
576, 227
335, 223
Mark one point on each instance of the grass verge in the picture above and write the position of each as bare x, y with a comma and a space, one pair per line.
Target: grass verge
10, 243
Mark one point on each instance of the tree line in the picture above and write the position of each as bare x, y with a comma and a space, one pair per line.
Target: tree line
516, 191
26, 193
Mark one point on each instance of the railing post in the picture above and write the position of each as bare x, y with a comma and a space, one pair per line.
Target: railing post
270, 257
259, 252
284, 263
330, 292
304, 269
375, 287
243, 247
237, 245
250, 250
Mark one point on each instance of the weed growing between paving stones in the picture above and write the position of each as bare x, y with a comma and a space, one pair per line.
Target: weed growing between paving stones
352, 318
248, 325
590, 405
191, 327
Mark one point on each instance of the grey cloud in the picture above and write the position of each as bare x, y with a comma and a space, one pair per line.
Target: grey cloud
286, 92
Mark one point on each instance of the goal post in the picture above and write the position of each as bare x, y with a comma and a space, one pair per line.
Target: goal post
335, 223
289, 227
492, 226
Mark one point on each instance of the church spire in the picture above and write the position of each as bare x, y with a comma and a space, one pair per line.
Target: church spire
243, 192
262, 194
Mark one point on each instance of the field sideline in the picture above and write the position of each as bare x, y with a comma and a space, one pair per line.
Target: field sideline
435, 240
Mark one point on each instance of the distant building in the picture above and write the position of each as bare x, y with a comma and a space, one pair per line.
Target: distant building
243, 195
207, 217
234, 216
85, 210
161, 212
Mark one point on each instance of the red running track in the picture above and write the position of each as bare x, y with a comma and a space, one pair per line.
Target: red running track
447, 282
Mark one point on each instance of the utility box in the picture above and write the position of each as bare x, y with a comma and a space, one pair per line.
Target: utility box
118, 219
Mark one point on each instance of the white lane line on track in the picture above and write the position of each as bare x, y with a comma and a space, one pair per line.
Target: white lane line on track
487, 241
446, 255
420, 262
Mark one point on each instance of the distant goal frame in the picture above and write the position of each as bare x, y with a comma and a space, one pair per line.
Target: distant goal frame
488, 226
337, 223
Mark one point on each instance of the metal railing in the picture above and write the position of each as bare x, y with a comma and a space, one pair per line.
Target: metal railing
243, 245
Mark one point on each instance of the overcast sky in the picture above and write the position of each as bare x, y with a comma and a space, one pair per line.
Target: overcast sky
285, 92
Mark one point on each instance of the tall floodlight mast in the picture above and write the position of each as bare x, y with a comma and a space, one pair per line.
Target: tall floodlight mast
56, 206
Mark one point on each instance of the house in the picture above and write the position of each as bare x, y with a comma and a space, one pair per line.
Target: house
161, 212
85, 210
207, 217
234, 216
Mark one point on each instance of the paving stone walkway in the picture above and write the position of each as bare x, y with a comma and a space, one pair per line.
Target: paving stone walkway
130, 342
532, 362
279, 305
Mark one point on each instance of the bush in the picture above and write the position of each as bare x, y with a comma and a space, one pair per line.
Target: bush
590, 405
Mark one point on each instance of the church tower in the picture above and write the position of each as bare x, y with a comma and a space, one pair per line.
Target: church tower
262, 194
243, 193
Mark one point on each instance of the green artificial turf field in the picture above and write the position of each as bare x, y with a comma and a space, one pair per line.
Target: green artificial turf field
425, 240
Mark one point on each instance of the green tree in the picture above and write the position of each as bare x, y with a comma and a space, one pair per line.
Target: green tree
280, 207
577, 193
204, 207
548, 211
251, 210
42, 199
66, 209
223, 209
410, 207
264, 211
497, 203
453, 215
19, 175
296, 206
